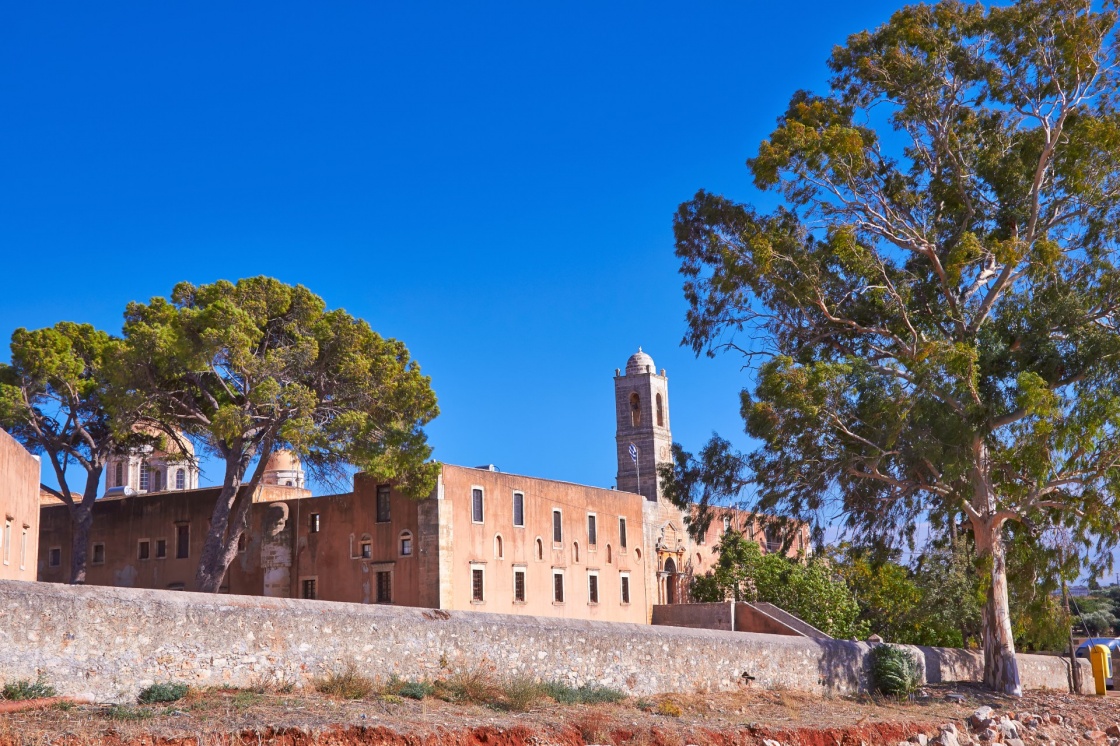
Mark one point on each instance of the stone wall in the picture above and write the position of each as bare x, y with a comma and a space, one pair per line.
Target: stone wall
110, 642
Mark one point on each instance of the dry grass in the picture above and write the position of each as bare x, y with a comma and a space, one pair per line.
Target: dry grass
595, 727
345, 683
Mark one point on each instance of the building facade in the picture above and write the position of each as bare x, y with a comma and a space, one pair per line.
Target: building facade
483, 540
19, 510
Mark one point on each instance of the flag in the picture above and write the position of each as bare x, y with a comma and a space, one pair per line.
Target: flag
634, 453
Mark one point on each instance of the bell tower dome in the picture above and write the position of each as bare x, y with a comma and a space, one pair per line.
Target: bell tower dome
641, 401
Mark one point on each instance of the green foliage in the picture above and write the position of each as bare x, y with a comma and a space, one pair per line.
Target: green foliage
345, 683
894, 670
128, 714
808, 590
1098, 623
588, 694
410, 689
24, 689
253, 366
167, 691
929, 319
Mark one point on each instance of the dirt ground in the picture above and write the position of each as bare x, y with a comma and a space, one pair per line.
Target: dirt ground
748, 717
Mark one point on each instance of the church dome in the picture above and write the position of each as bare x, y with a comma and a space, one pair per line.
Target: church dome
283, 460
639, 362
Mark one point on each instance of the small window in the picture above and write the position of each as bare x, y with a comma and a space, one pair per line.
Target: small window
575, 550
7, 542
519, 509
518, 585
145, 476
313, 526
593, 588
119, 481
660, 412
54, 557
406, 543
608, 554
98, 554
157, 481
476, 505
242, 542
625, 588
557, 587
384, 494
540, 549
622, 533
367, 550
635, 410
143, 549
591, 532
161, 548
557, 528
726, 524
310, 591
23, 550
384, 587
499, 550
477, 587
182, 541
180, 479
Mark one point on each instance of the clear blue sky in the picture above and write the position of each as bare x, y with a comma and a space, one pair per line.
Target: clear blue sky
492, 184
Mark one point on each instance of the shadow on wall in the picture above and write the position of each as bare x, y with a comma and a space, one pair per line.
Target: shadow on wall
949, 664
841, 663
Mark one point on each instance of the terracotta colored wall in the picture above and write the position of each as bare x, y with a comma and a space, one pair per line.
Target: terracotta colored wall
19, 510
474, 545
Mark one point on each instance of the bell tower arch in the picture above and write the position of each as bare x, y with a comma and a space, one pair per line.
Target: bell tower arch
641, 399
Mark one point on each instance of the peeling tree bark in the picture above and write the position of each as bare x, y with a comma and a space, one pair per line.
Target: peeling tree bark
1001, 669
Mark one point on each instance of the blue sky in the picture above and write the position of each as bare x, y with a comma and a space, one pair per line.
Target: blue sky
492, 184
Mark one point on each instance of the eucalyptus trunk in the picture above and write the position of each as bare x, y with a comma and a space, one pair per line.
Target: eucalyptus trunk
1001, 669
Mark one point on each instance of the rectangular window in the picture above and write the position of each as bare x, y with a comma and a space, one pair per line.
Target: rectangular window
591, 532
557, 528
518, 509
23, 550
625, 586
7, 542
557, 587
384, 587
98, 554
518, 585
406, 544
54, 557
476, 505
367, 550
309, 589
592, 588
161, 548
143, 549
622, 532
182, 541
313, 526
384, 492
242, 542
477, 589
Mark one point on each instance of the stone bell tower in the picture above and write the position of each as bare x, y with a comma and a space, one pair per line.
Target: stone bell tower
641, 401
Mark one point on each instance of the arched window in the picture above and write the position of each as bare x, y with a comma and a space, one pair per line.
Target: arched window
498, 553
540, 549
608, 554
575, 551
406, 543
670, 566
145, 476
635, 409
120, 475
660, 412
638, 554
180, 479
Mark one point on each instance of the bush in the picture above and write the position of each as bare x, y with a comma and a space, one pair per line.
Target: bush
521, 692
345, 684
894, 670
24, 689
588, 694
476, 685
165, 692
669, 708
415, 689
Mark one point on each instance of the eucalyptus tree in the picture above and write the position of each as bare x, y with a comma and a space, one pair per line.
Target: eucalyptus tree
931, 309
250, 367
57, 397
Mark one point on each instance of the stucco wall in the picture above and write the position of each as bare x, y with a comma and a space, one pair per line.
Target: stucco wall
110, 642
19, 510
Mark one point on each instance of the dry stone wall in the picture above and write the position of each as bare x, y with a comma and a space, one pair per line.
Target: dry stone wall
111, 642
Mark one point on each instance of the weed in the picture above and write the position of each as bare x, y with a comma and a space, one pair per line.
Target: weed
520, 692
246, 698
595, 728
167, 691
669, 708
588, 694
392, 699
345, 684
125, 712
24, 689
64, 706
894, 670
415, 689
645, 705
475, 685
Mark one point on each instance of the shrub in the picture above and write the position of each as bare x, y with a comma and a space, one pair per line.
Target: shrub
167, 691
347, 683
124, 712
521, 692
24, 689
475, 685
669, 708
894, 670
588, 694
415, 689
